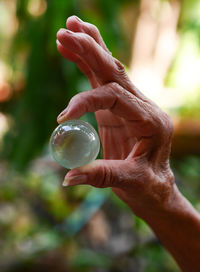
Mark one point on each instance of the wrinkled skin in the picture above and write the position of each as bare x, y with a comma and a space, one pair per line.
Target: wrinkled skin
135, 133
136, 137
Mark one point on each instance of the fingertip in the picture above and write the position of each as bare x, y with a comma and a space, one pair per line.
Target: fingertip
61, 119
60, 33
73, 18
69, 19
78, 19
75, 180
59, 45
62, 115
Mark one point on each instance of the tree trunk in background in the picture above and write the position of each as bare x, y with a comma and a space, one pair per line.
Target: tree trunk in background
154, 44
154, 47
186, 139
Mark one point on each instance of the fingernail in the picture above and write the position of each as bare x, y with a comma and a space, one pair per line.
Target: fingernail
78, 19
64, 112
69, 31
61, 31
75, 180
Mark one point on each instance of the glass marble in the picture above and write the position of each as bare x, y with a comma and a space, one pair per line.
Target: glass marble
74, 143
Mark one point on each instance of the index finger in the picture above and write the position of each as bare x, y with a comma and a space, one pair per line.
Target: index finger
75, 24
105, 67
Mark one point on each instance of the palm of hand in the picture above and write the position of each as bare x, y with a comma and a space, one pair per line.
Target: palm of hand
114, 133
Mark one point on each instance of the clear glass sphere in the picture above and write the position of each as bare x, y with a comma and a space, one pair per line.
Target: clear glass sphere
74, 143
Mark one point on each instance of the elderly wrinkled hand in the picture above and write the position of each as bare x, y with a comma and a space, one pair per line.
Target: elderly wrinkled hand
135, 133
136, 138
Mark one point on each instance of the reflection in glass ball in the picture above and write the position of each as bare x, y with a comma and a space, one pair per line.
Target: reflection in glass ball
74, 143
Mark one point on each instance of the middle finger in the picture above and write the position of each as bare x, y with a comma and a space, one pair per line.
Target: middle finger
105, 67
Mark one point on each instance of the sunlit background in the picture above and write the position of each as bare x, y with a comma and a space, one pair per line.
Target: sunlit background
44, 227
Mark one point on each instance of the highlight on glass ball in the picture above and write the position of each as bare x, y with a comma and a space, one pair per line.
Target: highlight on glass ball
74, 143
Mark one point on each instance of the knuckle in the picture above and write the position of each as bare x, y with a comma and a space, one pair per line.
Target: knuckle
106, 178
167, 125
90, 101
161, 122
113, 85
120, 69
91, 29
86, 43
116, 90
94, 32
102, 177
74, 99
79, 98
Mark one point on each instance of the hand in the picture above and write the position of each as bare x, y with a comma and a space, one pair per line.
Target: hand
136, 137
135, 134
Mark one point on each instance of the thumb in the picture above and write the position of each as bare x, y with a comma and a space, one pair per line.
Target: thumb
100, 173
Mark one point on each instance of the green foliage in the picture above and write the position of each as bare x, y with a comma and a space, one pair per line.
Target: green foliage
50, 81
85, 259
